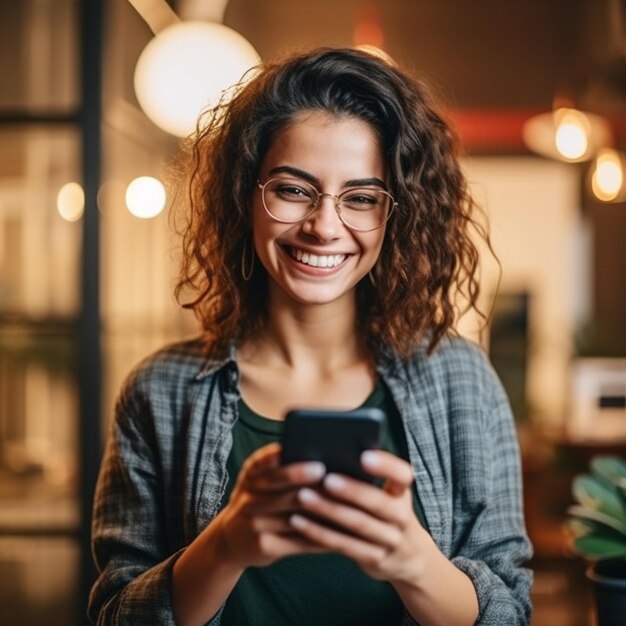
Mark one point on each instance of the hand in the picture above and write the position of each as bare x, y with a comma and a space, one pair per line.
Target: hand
382, 534
253, 529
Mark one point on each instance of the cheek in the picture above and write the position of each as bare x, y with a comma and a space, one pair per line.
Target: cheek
374, 244
265, 235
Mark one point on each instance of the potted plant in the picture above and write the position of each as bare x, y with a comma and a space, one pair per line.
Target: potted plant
598, 525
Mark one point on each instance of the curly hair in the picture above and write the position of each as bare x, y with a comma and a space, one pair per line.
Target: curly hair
428, 258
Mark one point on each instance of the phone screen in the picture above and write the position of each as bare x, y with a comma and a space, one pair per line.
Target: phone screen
336, 438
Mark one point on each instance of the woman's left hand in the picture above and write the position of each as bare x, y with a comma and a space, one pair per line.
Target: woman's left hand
382, 534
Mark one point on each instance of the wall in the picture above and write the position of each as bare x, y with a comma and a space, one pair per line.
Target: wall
536, 226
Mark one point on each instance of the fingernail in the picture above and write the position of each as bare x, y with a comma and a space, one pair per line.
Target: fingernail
297, 521
369, 458
315, 469
308, 495
334, 482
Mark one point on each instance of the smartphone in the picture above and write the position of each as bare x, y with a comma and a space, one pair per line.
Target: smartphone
336, 438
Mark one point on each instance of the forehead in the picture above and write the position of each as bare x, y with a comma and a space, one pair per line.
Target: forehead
320, 143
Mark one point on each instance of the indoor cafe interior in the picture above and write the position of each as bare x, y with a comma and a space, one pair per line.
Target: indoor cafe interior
95, 97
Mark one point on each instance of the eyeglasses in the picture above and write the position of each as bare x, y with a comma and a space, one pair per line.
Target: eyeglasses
292, 200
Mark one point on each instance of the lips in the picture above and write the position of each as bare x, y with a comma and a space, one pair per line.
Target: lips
316, 260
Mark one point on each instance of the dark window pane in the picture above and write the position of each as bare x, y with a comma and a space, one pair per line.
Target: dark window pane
38, 55
38, 581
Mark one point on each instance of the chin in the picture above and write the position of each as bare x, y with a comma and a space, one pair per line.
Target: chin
318, 297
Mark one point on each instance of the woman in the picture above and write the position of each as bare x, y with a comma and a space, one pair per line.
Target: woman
328, 240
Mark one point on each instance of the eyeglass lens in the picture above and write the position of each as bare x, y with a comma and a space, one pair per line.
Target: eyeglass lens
291, 200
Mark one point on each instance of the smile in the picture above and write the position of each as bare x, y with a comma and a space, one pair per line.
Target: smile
316, 260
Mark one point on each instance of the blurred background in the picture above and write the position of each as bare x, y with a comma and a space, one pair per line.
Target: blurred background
537, 91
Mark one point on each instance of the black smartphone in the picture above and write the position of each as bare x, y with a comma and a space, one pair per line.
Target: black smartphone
336, 438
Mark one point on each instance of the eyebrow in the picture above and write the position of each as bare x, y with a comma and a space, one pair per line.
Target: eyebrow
355, 182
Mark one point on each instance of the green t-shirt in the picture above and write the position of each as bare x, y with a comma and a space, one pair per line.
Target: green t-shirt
316, 589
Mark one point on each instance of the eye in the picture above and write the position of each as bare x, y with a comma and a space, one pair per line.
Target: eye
291, 192
362, 199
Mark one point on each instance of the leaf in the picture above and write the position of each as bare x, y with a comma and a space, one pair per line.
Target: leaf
612, 468
594, 546
580, 527
598, 495
599, 517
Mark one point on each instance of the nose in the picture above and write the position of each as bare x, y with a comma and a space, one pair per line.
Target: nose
324, 223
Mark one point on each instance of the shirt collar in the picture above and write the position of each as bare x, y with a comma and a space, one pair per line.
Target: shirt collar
213, 364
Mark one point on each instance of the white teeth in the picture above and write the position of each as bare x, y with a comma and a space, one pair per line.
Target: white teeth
317, 260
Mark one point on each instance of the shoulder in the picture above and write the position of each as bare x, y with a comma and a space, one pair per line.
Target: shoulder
164, 378
174, 362
183, 358
155, 402
456, 352
458, 381
457, 363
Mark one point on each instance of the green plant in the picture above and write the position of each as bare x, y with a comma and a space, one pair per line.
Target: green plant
598, 521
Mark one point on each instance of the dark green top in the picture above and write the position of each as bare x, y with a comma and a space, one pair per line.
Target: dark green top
312, 589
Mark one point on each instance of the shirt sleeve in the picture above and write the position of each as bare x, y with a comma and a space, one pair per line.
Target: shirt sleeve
129, 541
495, 546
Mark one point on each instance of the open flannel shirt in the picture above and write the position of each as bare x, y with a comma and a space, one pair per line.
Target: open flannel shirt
163, 475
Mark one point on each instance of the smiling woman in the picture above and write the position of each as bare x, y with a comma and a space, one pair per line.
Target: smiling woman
328, 237
420, 170
333, 153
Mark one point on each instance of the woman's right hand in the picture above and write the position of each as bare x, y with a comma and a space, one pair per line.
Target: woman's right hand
253, 529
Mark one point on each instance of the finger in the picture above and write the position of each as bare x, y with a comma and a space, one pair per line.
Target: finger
263, 471
288, 476
354, 548
262, 459
397, 472
377, 502
274, 524
270, 503
354, 520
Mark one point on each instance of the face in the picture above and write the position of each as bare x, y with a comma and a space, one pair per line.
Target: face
319, 260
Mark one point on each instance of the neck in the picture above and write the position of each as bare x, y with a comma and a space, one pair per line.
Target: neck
321, 337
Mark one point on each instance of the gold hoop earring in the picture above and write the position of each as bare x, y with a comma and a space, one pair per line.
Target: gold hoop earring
247, 267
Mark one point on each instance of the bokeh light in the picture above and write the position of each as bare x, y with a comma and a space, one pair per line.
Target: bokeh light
145, 197
608, 176
71, 202
571, 136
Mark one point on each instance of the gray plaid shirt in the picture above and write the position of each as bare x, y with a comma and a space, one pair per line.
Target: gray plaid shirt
163, 475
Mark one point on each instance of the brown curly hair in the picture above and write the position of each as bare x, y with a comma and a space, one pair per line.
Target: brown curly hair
428, 257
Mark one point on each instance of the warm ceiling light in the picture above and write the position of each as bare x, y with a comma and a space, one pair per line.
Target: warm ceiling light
71, 202
145, 197
368, 33
607, 178
567, 134
571, 135
186, 68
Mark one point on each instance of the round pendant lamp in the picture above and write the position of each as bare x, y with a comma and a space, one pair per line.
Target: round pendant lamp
186, 68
